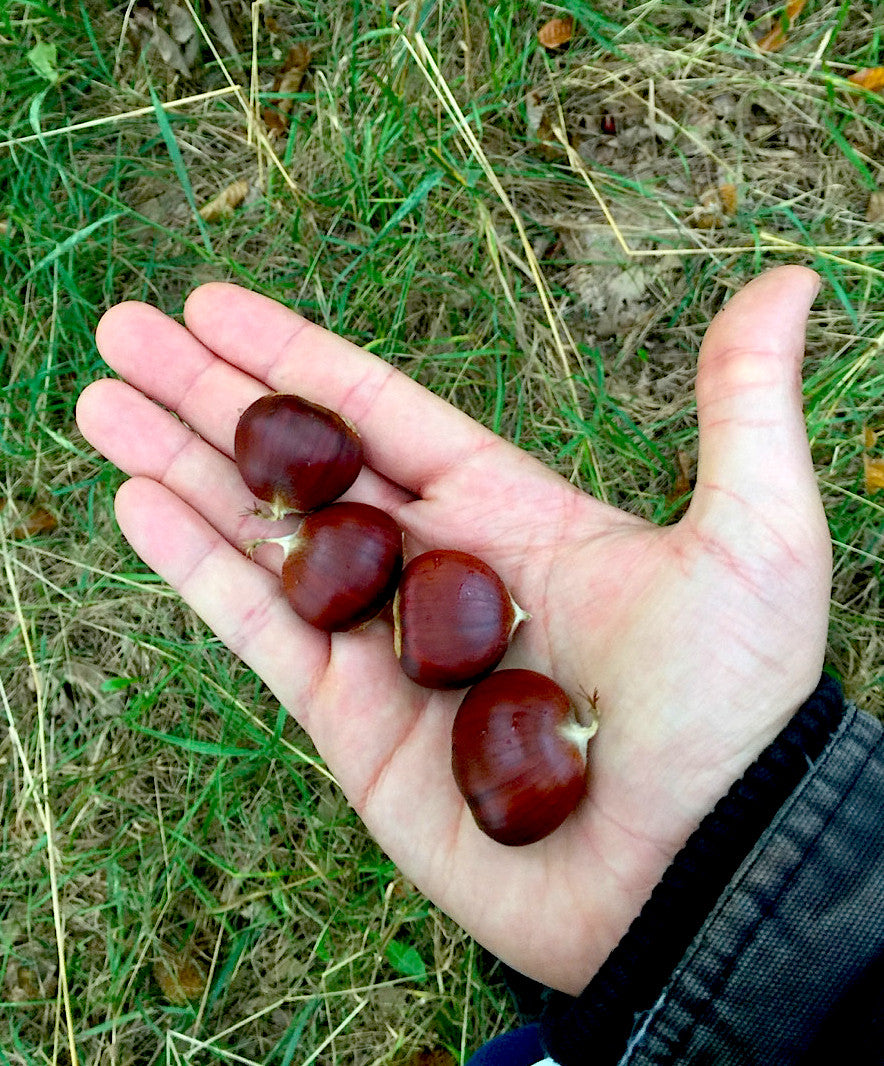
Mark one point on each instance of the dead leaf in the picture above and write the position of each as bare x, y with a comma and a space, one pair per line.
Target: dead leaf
681, 486
874, 473
217, 20
291, 77
288, 80
727, 193
777, 37
181, 23
224, 203
170, 53
714, 205
402, 888
436, 1056
682, 483
37, 521
23, 983
181, 977
276, 124
871, 78
873, 469
535, 109
556, 32
875, 208
143, 16
539, 126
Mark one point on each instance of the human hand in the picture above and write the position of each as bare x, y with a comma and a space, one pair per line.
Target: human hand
702, 638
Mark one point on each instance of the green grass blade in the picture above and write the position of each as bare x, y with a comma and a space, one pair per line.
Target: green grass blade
414, 198
71, 242
867, 177
200, 747
178, 163
600, 28
289, 1045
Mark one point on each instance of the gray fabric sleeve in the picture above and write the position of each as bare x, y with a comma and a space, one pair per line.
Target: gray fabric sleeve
796, 930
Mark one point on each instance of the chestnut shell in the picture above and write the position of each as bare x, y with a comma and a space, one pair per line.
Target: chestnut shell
515, 756
453, 619
294, 454
343, 565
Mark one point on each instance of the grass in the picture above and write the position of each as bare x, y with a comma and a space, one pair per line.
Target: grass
160, 820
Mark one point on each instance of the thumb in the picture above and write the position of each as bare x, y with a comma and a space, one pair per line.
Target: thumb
754, 453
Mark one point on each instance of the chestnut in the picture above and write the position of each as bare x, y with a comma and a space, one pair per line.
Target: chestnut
453, 619
295, 455
341, 566
518, 753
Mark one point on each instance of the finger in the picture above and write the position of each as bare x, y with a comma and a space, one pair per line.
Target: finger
160, 357
238, 599
753, 442
347, 691
164, 361
143, 439
411, 436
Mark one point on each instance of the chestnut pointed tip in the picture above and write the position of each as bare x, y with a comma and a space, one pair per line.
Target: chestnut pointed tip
279, 509
270, 512
519, 617
288, 543
578, 734
249, 547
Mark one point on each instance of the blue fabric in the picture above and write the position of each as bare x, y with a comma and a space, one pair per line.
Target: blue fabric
518, 1047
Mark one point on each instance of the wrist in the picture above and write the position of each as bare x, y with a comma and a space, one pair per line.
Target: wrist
636, 971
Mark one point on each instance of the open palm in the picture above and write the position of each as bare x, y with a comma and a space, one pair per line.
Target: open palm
701, 638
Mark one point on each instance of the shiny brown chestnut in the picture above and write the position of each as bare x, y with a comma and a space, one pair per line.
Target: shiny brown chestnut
453, 619
341, 566
295, 455
518, 753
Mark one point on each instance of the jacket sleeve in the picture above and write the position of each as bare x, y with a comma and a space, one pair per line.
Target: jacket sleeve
764, 941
